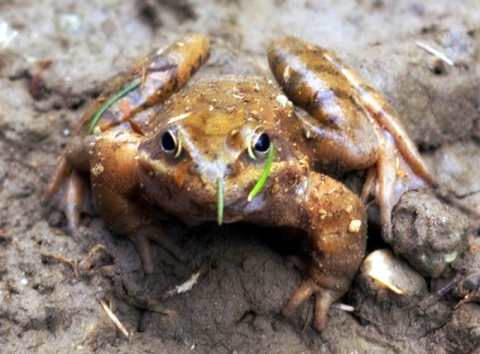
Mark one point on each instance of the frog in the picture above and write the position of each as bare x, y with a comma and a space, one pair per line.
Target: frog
161, 143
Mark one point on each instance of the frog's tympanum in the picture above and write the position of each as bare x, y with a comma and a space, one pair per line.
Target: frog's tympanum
239, 148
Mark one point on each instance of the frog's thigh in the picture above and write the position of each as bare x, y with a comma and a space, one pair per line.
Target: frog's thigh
337, 126
78, 153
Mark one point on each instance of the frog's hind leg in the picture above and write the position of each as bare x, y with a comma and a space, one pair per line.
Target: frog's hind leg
379, 109
336, 126
389, 179
321, 83
345, 114
399, 167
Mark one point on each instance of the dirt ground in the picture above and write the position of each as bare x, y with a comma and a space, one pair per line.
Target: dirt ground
55, 57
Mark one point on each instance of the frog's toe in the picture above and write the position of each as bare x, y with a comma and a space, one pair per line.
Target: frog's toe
323, 299
57, 181
75, 198
389, 179
163, 240
71, 194
142, 237
144, 249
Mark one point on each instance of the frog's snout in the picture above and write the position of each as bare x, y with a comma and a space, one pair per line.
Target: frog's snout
209, 180
228, 171
232, 170
213, 176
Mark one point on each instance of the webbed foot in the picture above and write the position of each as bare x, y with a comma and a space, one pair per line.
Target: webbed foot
391, 177
335, 225
141, 239
323, 299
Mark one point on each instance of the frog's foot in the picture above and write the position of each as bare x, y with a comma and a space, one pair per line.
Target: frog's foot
323, 299
69, 191
141, 239
389, 179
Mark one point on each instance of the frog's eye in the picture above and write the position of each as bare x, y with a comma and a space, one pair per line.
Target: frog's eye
259, 144
171, 144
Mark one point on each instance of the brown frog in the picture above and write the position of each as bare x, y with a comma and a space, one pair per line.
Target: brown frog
236, 148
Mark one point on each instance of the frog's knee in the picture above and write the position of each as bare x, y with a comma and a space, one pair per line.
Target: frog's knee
78, 152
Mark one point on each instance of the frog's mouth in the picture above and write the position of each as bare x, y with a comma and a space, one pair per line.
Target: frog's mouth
256, 189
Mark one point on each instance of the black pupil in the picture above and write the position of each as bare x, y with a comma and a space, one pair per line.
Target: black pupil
168, 142
263, 143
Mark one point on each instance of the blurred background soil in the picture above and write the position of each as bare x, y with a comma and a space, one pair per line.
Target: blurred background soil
55, 58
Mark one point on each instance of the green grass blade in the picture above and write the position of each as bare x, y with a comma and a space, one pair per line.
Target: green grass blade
264, 175
220, 201
111, 101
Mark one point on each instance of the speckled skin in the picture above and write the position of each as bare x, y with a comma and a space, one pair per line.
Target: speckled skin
135, 183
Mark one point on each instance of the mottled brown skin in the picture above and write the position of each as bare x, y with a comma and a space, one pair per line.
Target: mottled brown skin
162, 73
136, 182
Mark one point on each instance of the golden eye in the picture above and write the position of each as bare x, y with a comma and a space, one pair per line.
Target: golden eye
171, 144
259, 144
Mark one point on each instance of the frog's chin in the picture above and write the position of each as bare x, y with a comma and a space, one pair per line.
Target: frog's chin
195, 198
222, 192
204, 207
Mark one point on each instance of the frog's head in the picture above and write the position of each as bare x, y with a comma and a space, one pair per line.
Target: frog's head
216, 145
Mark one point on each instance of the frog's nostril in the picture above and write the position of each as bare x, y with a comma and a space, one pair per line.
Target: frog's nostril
231, 170
194, 169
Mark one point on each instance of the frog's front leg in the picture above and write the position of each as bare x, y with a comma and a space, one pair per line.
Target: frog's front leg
340, 104
116, 186
338, 227
334, 220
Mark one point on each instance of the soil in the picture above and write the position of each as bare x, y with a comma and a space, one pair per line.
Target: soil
55, 58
